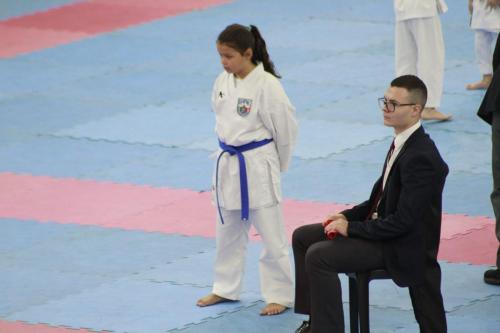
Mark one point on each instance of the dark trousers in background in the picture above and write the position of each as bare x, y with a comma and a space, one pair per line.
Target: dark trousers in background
495, 161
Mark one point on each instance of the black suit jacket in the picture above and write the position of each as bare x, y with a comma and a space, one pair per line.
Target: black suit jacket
491, 100
409, 213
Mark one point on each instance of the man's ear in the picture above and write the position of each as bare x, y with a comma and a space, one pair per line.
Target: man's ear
417, 110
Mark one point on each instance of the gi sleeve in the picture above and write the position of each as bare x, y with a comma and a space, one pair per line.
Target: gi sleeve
278, 115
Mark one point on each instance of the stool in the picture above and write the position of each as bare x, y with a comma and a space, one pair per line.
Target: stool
359, 298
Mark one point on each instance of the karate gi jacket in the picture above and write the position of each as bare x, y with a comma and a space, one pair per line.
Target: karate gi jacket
412, 9
253, 109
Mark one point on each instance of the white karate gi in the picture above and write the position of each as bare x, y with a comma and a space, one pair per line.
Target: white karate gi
270, 115
419, 44
486, 25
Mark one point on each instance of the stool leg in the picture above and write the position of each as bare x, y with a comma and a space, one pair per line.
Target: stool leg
363, 303
353, 305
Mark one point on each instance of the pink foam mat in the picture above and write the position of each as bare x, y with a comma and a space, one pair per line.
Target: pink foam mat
19, 40
20, 327
478, 247
78, 201
86, 18
146, 208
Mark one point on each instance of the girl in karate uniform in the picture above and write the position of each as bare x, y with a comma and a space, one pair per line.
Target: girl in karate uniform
486, 25
256, 129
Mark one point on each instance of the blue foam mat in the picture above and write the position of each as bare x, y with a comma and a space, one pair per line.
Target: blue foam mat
25, 287
159, 125
248, 320
336, 69
91, 250
362, 108
458, 194
320, 139
130, 306
49, 111
483, 309
314, 95
469, 153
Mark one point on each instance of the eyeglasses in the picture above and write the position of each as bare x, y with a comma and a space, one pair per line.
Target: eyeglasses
390, 105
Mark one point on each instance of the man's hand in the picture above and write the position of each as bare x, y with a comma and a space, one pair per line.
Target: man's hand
335, 224
333, 217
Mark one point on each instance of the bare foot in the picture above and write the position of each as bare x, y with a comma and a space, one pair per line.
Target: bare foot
478, 85
211, 299
434, 114
272, 309
483, 84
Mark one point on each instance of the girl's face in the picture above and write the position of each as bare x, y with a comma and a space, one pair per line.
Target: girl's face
234, 62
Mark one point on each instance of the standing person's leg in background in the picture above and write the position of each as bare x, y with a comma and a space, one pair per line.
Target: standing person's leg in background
430, 63
419, 50
405, 49
483, 41
493, 276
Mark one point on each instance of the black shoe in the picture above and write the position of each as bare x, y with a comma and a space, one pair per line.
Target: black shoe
492, 276
304, 328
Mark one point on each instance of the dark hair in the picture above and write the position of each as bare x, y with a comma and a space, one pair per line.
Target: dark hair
241, 38
415, 86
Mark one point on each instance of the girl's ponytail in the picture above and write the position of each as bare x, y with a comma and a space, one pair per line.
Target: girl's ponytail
260, 52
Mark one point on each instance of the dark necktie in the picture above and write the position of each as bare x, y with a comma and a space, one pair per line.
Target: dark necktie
380, 188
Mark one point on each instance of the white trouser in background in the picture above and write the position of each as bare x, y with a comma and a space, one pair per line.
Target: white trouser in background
483, 41
420, 51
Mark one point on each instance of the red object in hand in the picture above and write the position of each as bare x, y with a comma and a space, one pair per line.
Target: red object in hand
330, 234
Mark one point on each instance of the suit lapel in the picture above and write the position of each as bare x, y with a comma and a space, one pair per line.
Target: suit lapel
417, 134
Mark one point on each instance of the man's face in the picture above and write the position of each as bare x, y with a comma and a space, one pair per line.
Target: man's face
403, 116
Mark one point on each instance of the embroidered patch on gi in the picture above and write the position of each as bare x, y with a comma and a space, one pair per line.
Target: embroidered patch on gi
244, 106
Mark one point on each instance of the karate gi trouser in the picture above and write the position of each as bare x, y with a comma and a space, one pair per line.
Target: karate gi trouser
274, 264
483, 41
420, 51
495, 195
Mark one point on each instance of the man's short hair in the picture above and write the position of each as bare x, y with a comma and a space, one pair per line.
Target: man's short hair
415, 87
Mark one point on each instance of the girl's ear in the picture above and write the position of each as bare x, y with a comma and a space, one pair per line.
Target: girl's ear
248, 54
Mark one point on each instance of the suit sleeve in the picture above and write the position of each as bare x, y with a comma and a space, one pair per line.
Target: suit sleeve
278, 117
361, 211
419, 178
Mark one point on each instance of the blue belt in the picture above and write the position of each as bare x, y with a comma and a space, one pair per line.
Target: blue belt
238, 151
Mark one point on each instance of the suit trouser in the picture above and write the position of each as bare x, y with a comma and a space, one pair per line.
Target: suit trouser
420, 51
317, 286
274, 263
495, 195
